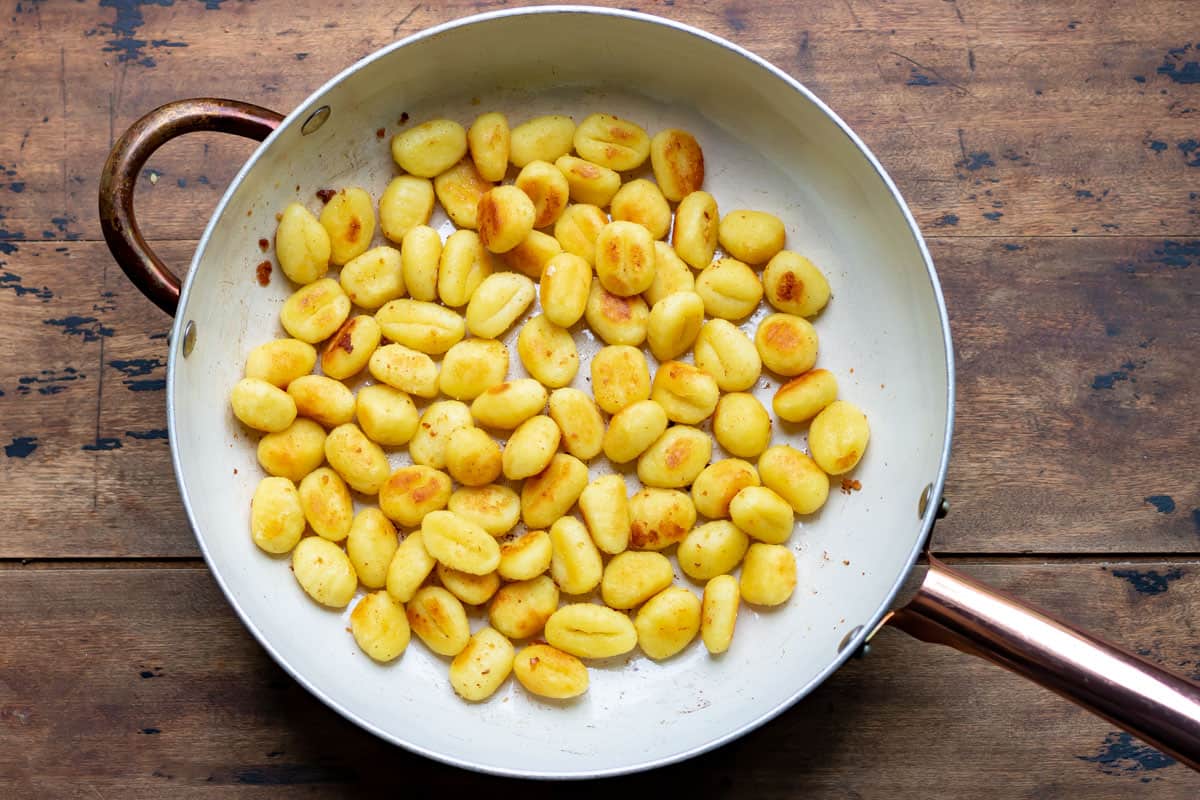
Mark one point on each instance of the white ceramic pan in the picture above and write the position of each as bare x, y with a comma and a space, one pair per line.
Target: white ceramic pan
769, 144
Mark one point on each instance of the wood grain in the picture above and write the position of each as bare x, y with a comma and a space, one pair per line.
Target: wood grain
995, 118
178, 699
1075, 364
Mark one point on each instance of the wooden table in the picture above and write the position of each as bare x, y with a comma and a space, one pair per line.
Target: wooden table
1050, 153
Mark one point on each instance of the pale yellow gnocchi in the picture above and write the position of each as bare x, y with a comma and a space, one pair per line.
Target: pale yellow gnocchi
642, 202
420, 254
263, 406
402, 368
659, 518
349, 219
633, 429
787, 344
717, 485
548, 672
497, 303
795, 477
373, 278
421, 325
294, 451
459, 190
327, 504
472, 590
439, 620
276, 515
411, 492
729, 289
604, 505
323, 399
589, 183
548, 352
547, 188
463, 266
488, 142
371, 545
565, 285
315, 311
674, 324
671, 275
505, 215
302, 245
575, 562
741, 425
696, 226
723, 351
439, 422
577, 228
359, 461
348, 351
616, 320
541, 139
712, 549
676, 458
409, 567
430, 148
794, 285
520, 609
324, 572
459, 543
587, 630
718, 613
494, 507
838, 437
473, 457
762, 514
507, 405
633, 577
686, 393
525, 558
471, 367
678, 163
751, 236
530, 448
768, 574
281, 361
805, 396
620, 377
549, 495
406, 203
387, 416
379, 625
624, 258
668, 622
612, 142
579, 421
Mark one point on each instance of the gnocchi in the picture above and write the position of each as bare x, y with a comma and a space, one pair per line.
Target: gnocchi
488, 142
751, 236
421, 325
795, 477
373, 278
729, 289
494, 508
412, 492
324, 572
687, 394
741, 425
526, 557
624, 258
548, 352
696, 224
547, 188
459, 190
439, 620
668, 622
676, 458
507, 405
579, 422
673, 324
718, 613
471, 367
532, 255
359, 461
712, 549
430, 148
805, 396
566, 283
294, 451
590, 631
276, 515
794, 285
787, 344
349, 350
678, 163
409, 567
371, 545
349, 219
406, 203
633, 577
497, 303
379, 625
838, 437
323, 399
505, 215
575, 562
420, 254
549, 495
263, 406
604, 504
588, 183
612, 142
642, 202
551, 673
616, 320
633, 429
717, 485
620, 377
768, 575
302, 245
315, 311
386, 415
327, 504
459, 543
520, 609
659, 518
281, 361
541, 139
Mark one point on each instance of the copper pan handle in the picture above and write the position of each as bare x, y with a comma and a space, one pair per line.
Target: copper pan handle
125, 162
1158, 706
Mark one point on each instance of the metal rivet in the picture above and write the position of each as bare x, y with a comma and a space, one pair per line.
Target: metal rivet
923, 503
315, 120
849, 637
189, 338
943, 508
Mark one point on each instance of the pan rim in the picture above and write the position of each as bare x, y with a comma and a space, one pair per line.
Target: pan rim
851, 646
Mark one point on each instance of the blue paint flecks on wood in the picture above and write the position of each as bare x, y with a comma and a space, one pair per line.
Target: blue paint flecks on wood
1196, 519
1109, 380
89, 328
1156, 145
48, 381
1177, 255
918, 78
1191, 152
976, 161
993, 216
129, 19
1149, 582
155, 433
1012, 248
288, 775
150, 731
102, 444
21, 447
11, 280
1178, 70
134, 369
1121, 754
1083, 194
945, 219
1163, 503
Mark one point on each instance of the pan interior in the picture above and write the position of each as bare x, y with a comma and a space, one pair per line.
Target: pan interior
767, 146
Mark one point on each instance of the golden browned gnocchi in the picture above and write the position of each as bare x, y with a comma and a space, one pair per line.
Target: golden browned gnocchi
838, 437
541, 139
575, 563
548, 352
359, 461
325, 400
401, 368
459, 190
409, 567
659, 518
294, 451
551, 673
695, 234
577, 229
532, 255
463, 266
507, 405
374, 277
688, 395
494, 508
419, 256
471, 367
349, 219
787, 344
579, 420
678, 163
712, 549
633, 429
348, 351
549, 495
459, 543
530, 448
674, 324
724, 352
565, 284
642, 202
327, 504
437, 425
729, 289
633, 577
371, 545
547, 187
505, 216
386, 415
406, 203
589, 183
768, 574
676, 458
616, 320
488, 141
751, 236
670, 275
605, 508
590, 631
718, 613
762, 514
520, 609
612, 142
741, 425
263, 406
717, 485
498, 302
795, 477
668, 622
324, 572
473, 590
412, 492
281, 361
302, 245
276, 515
315, 311
430, 148
624, 258
804, 396
472, 457
439, 620
620, 377
421, 325
380, 626
525, 558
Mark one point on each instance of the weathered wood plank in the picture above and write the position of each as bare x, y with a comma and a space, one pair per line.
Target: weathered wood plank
178, 699
995, 119
1075, 365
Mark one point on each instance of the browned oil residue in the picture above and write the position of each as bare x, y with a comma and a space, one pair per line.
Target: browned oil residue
326, 194
850, 485
263, 244
263, 273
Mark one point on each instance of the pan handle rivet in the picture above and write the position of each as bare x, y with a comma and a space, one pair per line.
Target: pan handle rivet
943, 507
849, 637
315, 120
189, 337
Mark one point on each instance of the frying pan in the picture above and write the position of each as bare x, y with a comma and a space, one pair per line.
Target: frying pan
769, 143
